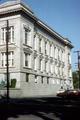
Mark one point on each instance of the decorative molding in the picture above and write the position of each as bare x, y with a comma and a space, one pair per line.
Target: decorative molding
41, 56
27, 50
27, 27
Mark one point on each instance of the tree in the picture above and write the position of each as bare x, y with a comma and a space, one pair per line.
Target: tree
75, 75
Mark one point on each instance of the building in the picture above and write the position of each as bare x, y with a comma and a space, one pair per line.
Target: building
39, 57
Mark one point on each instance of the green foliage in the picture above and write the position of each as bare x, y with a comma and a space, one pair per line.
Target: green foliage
13, 83
75, 79
2, 84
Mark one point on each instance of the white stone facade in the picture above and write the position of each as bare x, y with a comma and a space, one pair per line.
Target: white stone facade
39, 58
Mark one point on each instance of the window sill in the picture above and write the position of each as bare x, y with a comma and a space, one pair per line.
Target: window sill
27, 45
27, 67
6, 66
10, 43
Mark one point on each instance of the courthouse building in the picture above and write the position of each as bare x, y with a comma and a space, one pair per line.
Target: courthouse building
39, 57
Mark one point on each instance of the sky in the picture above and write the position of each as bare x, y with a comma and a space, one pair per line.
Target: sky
63, 16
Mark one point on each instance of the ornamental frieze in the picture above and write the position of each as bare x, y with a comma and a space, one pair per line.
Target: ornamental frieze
27, 50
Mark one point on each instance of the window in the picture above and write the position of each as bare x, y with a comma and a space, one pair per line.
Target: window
10, 35
47, 80
35, 63
40, 62
45, 47
36, 77
41, 65
10, 59
27, 59
51, 67
56, 53
35, 42
63, 56
26, 36
45, 65
3, 35
40, 45
27, 77
42, 79
69, 58
51, 50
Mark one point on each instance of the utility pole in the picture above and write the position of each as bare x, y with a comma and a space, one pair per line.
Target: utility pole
7, 64
78, 57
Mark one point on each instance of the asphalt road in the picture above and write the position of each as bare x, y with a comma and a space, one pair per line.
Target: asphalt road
40, 109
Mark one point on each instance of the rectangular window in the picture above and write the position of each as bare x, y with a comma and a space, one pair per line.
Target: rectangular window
40, 64
35, 63
45, 48
42, 79
27, 60
10, 34
27, 77
26, 36
47, 80
3, 35
10, 59
39, 45
63, 56
36, 77
45, 65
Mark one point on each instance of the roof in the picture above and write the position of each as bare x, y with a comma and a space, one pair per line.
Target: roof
13, 3
16, 5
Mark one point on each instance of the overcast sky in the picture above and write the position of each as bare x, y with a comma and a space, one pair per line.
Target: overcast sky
63, 16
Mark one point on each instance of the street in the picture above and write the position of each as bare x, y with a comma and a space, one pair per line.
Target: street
40, 109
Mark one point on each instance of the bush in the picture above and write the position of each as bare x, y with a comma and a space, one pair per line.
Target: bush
13, 83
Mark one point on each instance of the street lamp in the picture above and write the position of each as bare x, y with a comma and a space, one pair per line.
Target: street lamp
7, 65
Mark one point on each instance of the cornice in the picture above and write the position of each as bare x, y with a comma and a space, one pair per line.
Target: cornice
22, 8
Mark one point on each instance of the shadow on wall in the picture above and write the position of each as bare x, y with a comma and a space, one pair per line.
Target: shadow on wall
45, 108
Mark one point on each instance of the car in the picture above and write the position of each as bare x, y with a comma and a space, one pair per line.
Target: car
69, 93
60, 92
